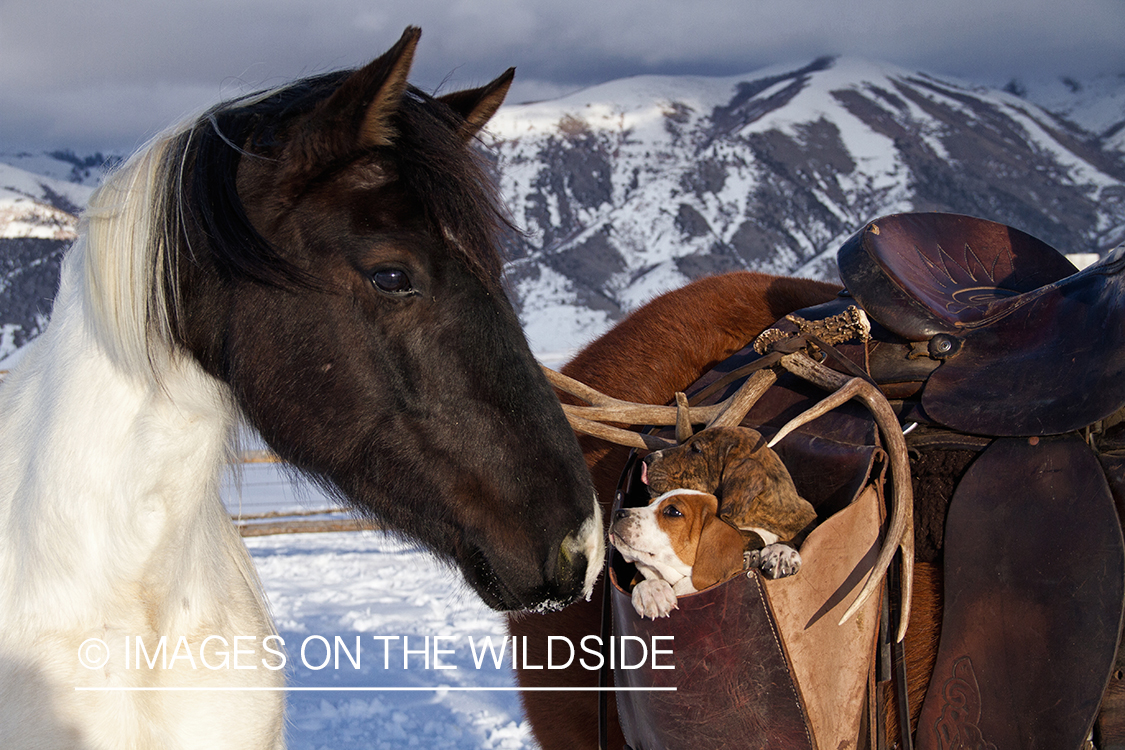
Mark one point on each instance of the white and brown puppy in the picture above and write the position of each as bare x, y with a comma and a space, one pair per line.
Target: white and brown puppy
753, 486
679, 544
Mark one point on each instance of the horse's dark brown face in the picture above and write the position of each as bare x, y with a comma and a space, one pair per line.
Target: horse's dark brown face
375, 349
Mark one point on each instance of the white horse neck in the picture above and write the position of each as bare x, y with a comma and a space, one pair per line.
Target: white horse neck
109, 485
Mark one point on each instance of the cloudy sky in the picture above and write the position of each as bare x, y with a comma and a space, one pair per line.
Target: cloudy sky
106, 74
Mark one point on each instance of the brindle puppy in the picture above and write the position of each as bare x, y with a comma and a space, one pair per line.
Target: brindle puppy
754, 489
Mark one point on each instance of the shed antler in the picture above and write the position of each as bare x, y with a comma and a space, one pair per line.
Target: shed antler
901, 531
589, 419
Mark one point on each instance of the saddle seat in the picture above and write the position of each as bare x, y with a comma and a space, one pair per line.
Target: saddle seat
1027, 345
921, 274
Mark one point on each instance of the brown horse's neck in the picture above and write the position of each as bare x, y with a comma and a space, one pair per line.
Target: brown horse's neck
666, 345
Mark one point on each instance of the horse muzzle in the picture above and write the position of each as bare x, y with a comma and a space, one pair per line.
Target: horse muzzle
582, 553
568, 575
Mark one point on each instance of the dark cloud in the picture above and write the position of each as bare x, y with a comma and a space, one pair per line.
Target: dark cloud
107, 75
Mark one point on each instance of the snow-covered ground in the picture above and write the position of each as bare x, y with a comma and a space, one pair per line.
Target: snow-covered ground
388, 594
368, 588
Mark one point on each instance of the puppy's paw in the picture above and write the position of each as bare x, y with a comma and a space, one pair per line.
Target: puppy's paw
653, 597
779, 561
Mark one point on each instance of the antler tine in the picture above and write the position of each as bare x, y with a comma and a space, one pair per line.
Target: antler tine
628, 438
683, 418
842, 395
739, 405
574, 387
608, 409
901, 531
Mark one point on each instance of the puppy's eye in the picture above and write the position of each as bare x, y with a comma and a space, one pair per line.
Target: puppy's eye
671, 511
696, 448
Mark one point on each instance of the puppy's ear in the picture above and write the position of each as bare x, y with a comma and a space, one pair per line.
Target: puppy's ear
760, 484
793, 513
744, 479
719, 555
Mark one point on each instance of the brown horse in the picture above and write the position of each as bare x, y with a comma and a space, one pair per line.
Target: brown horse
1009, 361
660, 349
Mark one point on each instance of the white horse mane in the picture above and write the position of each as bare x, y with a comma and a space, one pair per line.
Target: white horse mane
122, 248
111, 524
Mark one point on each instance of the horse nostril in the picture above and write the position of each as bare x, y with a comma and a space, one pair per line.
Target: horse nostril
571, 557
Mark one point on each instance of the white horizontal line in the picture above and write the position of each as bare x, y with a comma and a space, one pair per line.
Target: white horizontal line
377, 689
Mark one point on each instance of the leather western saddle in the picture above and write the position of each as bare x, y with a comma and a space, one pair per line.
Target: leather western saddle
1012, 365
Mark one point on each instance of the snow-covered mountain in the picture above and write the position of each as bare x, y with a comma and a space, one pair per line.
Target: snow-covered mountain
66, 166
1094, 104
635, 186
37, 224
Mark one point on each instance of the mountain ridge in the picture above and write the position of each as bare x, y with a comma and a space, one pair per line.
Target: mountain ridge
634, 186
639, 185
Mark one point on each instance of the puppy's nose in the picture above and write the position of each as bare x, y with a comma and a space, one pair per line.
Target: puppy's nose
619, 514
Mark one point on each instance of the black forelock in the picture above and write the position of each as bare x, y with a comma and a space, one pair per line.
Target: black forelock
451, 181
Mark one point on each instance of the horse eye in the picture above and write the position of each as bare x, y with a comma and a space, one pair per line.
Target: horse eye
392, 281
671, 511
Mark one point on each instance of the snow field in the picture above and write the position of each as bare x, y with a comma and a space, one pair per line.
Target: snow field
365, 584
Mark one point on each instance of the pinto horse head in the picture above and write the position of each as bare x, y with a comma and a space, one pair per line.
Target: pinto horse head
332, 257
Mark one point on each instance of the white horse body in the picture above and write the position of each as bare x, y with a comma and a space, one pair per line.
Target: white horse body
111, 524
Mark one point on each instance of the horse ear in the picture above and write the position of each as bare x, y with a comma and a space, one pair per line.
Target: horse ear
477, 106
357, 115
387, 76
